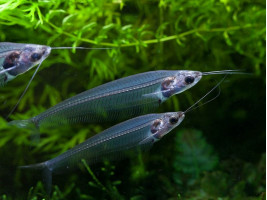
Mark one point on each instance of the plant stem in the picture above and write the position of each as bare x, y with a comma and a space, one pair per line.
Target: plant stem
93, 176
153, 41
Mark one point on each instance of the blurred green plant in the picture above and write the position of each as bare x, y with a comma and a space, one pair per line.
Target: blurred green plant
224, 184
110, 189
193, 155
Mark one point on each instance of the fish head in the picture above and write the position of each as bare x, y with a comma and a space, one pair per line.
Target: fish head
19, 61
164, 125
181, 81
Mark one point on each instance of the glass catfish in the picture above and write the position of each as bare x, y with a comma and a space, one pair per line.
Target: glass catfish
139, 133
118, 100
18, 58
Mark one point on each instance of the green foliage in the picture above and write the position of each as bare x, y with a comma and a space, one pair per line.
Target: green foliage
110, 189
192, 156
224, 184
226, 137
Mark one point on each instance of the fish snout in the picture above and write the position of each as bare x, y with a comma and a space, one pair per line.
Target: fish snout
198, 74
181, 115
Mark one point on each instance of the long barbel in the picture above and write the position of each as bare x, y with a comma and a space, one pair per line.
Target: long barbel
135, 134
118, 100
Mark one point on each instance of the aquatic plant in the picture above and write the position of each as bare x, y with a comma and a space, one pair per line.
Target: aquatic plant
145, 35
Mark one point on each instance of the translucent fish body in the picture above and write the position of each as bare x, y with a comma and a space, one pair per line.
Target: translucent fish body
114, 101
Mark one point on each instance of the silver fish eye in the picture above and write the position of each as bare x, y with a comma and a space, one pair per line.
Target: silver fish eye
173, 119
189, 79
35, 57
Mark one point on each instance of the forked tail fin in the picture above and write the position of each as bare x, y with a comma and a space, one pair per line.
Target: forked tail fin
46, 173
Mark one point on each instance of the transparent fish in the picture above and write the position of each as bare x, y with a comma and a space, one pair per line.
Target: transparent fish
118, 100
18, 58
139, 133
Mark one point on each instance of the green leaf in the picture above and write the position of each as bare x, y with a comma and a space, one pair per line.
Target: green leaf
193, 155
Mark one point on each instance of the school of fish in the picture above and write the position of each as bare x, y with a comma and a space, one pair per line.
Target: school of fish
128, 98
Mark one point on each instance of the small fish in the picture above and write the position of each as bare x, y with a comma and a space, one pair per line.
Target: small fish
120, 99
139, 133
18, 58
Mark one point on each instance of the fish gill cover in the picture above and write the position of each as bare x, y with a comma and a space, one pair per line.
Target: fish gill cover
217, 152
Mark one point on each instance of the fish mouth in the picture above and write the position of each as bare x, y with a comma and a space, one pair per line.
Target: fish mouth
46, 52
198, 74
181, 116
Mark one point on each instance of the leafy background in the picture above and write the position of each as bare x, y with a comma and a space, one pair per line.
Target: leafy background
218, 152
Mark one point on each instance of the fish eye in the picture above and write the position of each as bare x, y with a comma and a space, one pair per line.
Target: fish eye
173, 120
189, 79
35, 57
